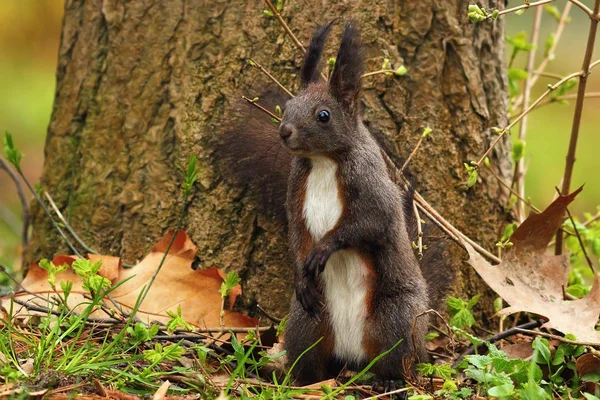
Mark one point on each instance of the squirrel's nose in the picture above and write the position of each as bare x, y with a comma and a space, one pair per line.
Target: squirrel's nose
286, 130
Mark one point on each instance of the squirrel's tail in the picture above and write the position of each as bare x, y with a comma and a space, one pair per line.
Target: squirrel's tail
252, 157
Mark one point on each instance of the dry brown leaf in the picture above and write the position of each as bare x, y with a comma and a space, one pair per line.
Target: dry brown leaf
531, 280
177, 284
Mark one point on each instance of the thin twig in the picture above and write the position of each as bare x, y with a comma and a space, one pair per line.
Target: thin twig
528, 203
588, 95
419, 231
255, 104
587, 258
66, 224
389, 394
527, 86
586, 68
24, 206
19, 285
271, 77
266, 314
35, 307
550, 89
285, 26
412, 153
382, 71
556, 337
523, 6
557, 35
586, 9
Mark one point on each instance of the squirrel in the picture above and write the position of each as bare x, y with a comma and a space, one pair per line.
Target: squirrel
358, 284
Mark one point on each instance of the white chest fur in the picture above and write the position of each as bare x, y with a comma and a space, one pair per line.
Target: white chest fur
345, 276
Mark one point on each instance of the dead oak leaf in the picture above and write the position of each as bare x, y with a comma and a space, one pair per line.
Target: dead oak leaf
176, 285
531, 280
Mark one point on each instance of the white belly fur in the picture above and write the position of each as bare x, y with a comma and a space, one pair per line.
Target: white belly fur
345, 277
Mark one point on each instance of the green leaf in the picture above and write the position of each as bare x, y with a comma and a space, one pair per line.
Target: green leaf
508, 231
11, 153
400, 71
472, 178
386, 64
471, 303
177, 321
455, 305
420, 397
517, 74
498, 304
552, 10
502, 390
426, 131
431, 335
85, 268
331, 63
541, 354
578, 290
278, 110
96, 283
495, 14
519, 42
520, 12
518, 150
268, 13
191, 176
462, 319
590, 396
231, 280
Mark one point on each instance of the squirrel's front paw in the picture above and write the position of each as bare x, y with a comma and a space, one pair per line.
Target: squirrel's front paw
309, 297
315, 263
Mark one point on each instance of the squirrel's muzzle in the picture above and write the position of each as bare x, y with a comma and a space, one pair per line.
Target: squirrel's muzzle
286, 130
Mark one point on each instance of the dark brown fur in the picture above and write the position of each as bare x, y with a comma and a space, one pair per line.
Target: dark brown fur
377, 221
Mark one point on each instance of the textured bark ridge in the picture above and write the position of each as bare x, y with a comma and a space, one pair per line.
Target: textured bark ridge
143, 85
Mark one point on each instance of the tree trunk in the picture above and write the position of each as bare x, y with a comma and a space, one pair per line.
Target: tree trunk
143, 85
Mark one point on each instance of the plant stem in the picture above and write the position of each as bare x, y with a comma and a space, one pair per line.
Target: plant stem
271, 77
285, 26
381, 71
586, 68
24, 206
520, 170
255, 104
524, 6
550, 89
557, 35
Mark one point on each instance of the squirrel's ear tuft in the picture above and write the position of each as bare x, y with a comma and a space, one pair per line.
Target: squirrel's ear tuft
310, 67
345, 79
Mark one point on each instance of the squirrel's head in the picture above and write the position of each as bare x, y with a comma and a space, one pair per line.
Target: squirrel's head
324, 116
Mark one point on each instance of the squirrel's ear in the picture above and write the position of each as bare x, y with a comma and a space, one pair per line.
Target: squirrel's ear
345, 79
310, 67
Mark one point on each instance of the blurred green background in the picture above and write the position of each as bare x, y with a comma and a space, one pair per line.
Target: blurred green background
29, 37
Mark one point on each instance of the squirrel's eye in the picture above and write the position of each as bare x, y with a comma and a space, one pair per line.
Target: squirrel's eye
323, 116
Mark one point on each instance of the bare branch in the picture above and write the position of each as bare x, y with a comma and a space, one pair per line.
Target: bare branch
557, 35
271, 77
520, 169
525, 6
285, 27
586, 68
24, 205
255, 104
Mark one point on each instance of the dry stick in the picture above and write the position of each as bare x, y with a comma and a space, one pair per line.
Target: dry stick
528, 203
23, 288
559, 338
587, 258
550, 89
261, 108
520, 170
24, 205
382, 71
419, 231
523, 6
586, 9
285, 27
66, 224
557, 35
35, 307
586, 68
412, 153
588, 95
271, 77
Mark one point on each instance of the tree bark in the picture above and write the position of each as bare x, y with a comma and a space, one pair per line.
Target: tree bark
143, 85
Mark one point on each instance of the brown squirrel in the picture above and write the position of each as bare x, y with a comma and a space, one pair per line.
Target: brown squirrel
358, 283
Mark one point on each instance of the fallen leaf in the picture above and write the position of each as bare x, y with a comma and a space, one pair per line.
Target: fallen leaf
176, 285
531, 280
